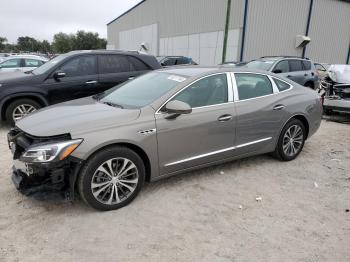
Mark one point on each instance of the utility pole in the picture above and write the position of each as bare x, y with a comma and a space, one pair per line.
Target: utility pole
228, 11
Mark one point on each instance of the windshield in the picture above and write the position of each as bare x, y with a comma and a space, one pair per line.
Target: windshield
141, 91
49, 64
260, 64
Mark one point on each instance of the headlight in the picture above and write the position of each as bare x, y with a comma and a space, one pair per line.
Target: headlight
50, 152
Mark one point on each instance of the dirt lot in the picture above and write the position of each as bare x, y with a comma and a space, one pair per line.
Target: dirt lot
208, 215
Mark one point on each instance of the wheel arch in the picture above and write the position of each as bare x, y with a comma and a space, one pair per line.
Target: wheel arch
137, 149
9, 99
303, 119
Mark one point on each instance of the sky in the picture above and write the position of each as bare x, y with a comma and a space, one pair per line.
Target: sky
42, 19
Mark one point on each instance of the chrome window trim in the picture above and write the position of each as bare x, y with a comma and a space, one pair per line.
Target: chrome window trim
217, 151
229, 92
255, 73
234, 86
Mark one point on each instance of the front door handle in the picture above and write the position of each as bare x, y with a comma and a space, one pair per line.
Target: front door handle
278, 107
91, 82
224, 118
131, 77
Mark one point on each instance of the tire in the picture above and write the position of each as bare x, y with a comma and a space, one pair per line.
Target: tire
97, 186
280, 153
24, 103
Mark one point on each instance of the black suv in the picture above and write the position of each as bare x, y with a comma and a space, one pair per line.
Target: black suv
69, 76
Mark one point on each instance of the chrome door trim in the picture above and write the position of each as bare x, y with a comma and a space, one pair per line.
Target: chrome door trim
218, 151
229, 90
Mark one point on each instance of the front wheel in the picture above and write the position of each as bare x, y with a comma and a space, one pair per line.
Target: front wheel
112, 178
20, 108
291, 140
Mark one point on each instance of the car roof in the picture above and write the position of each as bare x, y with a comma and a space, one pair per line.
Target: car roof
26, 56
194, 71
102, 51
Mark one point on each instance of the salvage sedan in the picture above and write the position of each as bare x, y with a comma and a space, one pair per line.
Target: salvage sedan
160, 124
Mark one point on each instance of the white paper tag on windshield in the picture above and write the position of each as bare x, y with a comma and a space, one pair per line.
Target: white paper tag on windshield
176, 78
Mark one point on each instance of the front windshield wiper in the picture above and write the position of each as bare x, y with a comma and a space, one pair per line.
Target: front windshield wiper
113, 104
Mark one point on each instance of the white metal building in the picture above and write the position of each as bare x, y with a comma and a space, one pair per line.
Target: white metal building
256, 28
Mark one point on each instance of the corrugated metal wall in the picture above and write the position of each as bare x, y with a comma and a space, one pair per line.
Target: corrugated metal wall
272, 26
178, 17
329, 31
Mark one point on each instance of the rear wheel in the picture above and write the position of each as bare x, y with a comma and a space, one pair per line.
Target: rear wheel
291, 140
112, 178
20, 108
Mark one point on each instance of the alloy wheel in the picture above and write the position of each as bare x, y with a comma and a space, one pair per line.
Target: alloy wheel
21, 111
114, 181
293, 140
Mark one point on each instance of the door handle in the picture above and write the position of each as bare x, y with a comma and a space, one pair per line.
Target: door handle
278, 107
224, 118
289, 76
91, 82
131, 77
305, 74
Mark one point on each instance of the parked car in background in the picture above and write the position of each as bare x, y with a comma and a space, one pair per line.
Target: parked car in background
21, 63
322, 69
68, 76
301, 71
3, 56
175, 60
335, 89
160, 124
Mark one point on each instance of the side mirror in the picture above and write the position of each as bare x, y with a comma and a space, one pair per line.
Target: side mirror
277, 71
175, 108
57, 75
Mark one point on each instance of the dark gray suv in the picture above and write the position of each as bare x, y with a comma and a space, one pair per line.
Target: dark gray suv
297, 69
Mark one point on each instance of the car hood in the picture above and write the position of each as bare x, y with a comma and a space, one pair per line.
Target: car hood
75, 117
9, 78
340, 73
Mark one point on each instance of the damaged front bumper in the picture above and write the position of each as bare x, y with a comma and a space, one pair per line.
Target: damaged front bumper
41, 179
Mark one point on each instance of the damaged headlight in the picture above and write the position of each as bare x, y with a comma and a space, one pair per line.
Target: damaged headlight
50, 152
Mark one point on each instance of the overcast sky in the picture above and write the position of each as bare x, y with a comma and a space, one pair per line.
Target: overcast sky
41, 19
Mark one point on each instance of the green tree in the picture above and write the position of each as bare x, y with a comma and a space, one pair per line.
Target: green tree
45, 47
28, 44
3, 40
88, 41
62, 43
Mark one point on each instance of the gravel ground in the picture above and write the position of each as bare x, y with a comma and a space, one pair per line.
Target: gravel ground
208, 215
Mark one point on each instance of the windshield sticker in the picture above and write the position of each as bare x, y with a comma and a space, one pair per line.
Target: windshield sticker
176, 78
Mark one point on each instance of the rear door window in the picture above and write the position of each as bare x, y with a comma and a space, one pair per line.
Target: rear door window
252, 85
32, 63
109, 64
306, 65
137, 64
295, 65
80, 66
283, 66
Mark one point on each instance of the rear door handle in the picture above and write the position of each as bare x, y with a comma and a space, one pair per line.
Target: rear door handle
278, 107
131, 77
91, 82
224, 118
289, 76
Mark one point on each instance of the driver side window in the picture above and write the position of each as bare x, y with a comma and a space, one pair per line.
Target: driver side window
283, 66
208, 91
80, 66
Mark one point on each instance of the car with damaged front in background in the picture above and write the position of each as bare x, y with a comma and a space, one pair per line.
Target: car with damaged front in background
160, 124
